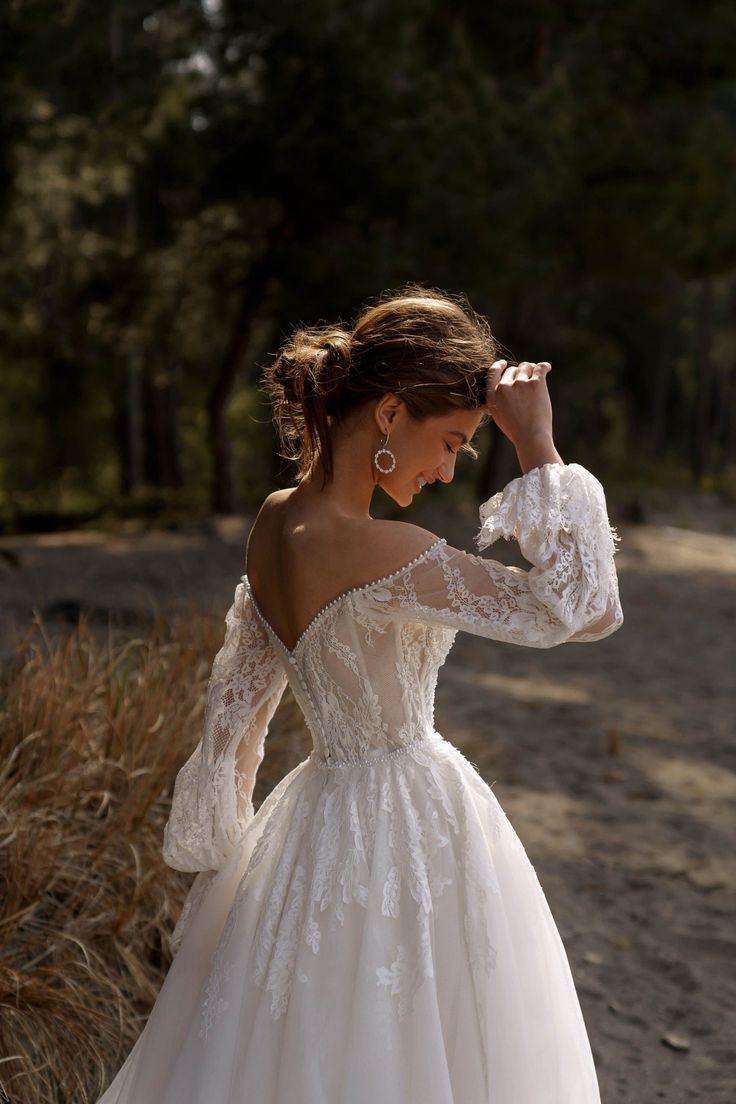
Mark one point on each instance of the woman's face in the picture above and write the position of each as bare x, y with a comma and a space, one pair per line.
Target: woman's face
425, 451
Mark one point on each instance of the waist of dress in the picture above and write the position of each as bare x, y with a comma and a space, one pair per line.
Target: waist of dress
331, 763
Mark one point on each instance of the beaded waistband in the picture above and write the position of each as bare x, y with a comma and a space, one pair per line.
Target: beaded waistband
366, 760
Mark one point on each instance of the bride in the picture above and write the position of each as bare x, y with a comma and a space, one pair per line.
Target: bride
376, 931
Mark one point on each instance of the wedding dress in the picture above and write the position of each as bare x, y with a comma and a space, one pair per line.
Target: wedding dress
375, 933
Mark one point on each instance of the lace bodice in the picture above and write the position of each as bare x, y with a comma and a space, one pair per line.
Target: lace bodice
364, 671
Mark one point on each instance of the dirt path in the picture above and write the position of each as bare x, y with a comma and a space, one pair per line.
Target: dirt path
615, 761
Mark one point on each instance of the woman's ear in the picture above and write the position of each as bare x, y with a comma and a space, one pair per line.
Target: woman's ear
386, 412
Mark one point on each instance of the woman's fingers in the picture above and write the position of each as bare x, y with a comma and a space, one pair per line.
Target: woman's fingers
518, 410
495, 372
526, 369
502, 371
529, 369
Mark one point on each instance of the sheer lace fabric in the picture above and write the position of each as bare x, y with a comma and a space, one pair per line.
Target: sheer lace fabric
380, 900
213, 792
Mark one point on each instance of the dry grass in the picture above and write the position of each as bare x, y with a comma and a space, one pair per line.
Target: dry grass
92, 733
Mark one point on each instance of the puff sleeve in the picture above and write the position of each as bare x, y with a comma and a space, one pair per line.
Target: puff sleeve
558, 515
212, 802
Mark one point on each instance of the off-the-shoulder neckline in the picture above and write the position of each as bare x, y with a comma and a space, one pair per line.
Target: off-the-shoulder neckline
291, 652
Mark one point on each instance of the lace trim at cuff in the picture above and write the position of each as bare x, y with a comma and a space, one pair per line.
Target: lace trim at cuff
543, 502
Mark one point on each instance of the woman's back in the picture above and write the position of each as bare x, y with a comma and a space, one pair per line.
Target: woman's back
301, 555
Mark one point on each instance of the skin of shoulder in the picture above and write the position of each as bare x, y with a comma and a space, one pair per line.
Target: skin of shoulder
277, 496
397, 542
373, 548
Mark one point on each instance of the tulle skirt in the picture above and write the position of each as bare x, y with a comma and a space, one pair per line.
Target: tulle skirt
380, 934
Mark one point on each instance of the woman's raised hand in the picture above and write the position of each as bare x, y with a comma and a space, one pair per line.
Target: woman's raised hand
518, 400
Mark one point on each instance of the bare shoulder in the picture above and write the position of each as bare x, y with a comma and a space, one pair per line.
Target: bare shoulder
321, 554
375, 542
388, 545
265, 524
278, 497
272, 504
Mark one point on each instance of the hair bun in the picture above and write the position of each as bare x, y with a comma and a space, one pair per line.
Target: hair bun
334, 368
285, 373
313, 367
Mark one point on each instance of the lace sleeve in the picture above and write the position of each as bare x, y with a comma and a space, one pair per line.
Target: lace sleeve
213, 792
557, 513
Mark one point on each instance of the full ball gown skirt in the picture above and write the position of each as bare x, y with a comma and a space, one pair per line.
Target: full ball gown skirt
376, 931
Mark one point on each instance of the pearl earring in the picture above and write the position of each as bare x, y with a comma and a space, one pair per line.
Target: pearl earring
389, 453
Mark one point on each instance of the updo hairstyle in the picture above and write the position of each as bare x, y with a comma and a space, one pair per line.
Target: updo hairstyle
426, 346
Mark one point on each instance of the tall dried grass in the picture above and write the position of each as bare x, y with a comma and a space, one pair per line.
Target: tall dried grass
92, 733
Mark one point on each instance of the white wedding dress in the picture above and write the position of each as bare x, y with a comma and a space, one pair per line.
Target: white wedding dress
376, 931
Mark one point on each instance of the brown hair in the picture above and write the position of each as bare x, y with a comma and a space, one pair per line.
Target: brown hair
426, 346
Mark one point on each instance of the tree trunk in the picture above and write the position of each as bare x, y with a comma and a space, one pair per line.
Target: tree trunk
163, 460
129, 429
704, 423
729, 413
223, 495
659, 443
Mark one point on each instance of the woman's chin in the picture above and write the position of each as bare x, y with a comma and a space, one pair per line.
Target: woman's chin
403, 500
402, 496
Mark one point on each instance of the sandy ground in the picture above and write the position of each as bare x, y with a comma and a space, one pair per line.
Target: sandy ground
615, 761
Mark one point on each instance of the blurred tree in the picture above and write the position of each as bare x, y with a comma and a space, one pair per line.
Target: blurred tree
180, 184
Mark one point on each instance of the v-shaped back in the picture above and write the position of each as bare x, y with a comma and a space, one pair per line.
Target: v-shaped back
364, 666
341, 596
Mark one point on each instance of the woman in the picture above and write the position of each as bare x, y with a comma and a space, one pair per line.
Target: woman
376, 930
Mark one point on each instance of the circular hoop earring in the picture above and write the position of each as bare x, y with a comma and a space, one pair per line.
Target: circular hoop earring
389, 453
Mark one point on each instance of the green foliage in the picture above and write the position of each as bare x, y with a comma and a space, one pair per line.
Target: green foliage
182, 183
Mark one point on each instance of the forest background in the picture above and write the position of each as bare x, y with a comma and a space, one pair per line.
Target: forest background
182, 183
